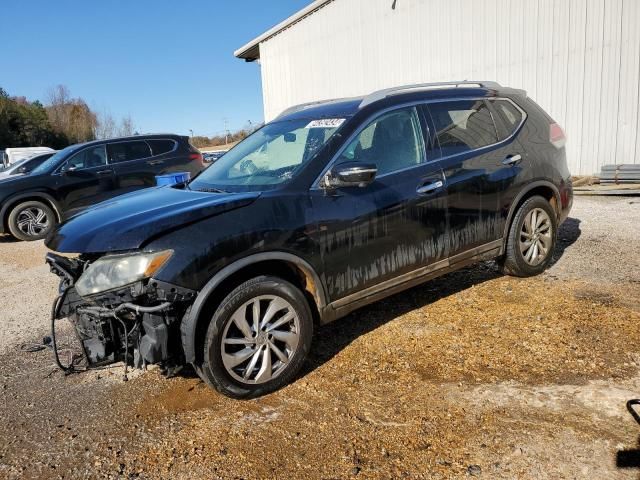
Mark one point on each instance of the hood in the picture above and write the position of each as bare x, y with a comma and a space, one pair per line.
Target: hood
129, 221
8, 179
6, 175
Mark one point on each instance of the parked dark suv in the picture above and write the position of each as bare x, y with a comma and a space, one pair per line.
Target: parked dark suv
328, 208
88, 173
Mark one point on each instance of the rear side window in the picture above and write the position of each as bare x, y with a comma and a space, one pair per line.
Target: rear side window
462, 125
510, 115
127, 151
158, 147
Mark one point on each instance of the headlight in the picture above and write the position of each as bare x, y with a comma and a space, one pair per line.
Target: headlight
114, 271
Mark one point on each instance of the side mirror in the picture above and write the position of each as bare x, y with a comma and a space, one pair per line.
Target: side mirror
68, 170
351, 174
22, 170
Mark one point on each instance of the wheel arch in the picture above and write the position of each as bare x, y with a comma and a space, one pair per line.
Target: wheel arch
11, 202
545, 189
288, 266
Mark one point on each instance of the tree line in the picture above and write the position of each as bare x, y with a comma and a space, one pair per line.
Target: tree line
200, 141
63, 121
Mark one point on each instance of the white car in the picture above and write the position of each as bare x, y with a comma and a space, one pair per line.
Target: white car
12, 155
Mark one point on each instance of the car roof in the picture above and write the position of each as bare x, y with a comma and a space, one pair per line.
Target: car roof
336, 108
346, 107
147, 136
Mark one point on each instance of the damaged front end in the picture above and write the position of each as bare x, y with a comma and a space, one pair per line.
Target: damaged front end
119, 311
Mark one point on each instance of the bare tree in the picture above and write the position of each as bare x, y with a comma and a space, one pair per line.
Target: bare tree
71, 117
58, 111
127, 127
105, 126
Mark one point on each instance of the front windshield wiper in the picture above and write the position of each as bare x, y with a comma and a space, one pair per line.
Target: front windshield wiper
208, 189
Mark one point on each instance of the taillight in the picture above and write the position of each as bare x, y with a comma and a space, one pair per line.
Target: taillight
557, 136
195, 156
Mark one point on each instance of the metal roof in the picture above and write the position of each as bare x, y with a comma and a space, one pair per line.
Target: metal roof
251, 51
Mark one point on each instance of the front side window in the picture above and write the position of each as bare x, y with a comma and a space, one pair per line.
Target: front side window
269, 157
462, 125
392, 142
88, 158
127, 151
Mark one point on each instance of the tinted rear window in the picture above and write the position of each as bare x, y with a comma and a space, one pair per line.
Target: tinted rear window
158, 147
127, 151
511, 116
462, 125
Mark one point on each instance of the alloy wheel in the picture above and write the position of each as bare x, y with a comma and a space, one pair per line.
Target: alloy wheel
536, 237
259, 339
32, 221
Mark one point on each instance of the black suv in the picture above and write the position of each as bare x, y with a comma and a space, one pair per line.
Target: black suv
88, 173
330, 207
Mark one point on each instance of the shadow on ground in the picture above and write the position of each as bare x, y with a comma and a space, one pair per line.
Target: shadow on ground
630, 458
333, 338
568, 234
7, 239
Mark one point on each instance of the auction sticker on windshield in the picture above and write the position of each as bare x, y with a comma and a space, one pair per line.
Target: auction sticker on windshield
326, 123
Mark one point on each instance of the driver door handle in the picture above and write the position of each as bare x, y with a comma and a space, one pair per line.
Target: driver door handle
104, 172
512, 159
430, 187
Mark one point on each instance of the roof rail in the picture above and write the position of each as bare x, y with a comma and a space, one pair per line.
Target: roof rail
387, 92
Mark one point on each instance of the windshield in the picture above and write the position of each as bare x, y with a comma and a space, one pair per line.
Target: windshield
270, 157
50, 164
13, 166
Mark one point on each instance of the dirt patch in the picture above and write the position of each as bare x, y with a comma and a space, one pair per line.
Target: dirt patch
427, 381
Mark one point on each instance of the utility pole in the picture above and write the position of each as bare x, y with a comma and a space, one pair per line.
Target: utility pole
226, 131
191, 133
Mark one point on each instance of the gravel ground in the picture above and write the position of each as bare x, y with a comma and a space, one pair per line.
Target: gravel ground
472, 374
27, 290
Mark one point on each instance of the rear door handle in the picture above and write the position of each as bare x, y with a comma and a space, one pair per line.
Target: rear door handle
512, 159
104, 172
155, 162
430, 187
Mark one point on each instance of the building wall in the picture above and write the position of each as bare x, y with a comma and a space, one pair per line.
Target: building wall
579, 59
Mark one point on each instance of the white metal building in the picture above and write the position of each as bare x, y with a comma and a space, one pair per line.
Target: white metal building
579, 59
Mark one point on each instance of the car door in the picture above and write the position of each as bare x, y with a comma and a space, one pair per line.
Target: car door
370, 236
85, 179
133, 164
482, 171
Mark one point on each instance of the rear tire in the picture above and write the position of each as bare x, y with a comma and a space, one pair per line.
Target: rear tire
531, 239
258, 338
31, 220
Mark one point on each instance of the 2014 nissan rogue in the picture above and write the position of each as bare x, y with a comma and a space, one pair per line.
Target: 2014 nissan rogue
330, 207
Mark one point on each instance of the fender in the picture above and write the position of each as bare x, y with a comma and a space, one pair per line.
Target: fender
189, 323
11, 201
525, 190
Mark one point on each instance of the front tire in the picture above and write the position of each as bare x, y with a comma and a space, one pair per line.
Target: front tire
258, 338
531, 240
31, 220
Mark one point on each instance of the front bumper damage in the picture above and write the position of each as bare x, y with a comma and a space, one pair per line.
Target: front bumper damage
138, 324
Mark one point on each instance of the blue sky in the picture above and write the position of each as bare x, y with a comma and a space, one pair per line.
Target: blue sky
168, 64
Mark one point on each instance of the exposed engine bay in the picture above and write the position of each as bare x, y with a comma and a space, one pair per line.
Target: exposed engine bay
138, 324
